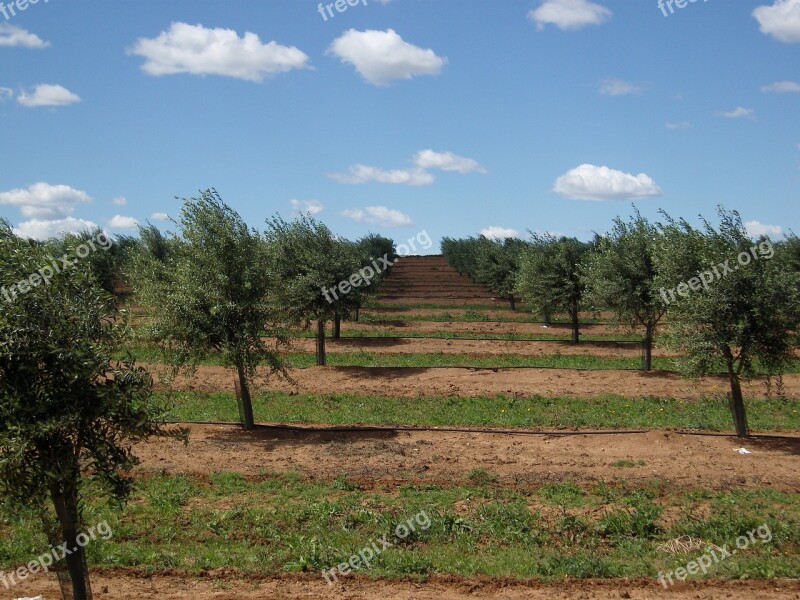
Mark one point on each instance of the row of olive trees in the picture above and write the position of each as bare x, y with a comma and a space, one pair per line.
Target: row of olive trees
746, 315
220, 287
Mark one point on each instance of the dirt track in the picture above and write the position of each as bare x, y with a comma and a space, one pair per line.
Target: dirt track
222, 586
397, 457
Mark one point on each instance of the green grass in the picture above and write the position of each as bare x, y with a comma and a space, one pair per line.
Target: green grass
604, 412
277, 523
304, 360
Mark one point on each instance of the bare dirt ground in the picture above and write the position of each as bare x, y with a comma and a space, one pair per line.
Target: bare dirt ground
389, 457
395, 323
410, 382
226, 586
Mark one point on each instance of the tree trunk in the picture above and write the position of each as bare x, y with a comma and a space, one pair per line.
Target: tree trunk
66, 506
648, 348
358, 313
573, 313
546, 317
321, 343
337, 326
737, 405
245, 401
513, 302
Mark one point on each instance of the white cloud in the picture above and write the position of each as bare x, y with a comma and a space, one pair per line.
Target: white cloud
446, 161
44, 201
199, 50
120, 201
496, 232
781, 20
379, 215
756, 229
589, 182
620, 87
364, 174
782, 87
17, 37
159, 216
679, 125
312, 207
737, 113
381, 57
121, 222
45, 229
46, 94
569, 15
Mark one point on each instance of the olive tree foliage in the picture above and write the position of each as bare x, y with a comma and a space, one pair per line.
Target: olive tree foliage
746, 315
312, 269
69, 414
372, 250
490, 262
497, 266
206, 293
549, 276
621, 276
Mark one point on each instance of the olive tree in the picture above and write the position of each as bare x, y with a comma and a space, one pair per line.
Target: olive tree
729, 303
207, 291
621, 276
549, 276
497, 266
68, 412
317, 274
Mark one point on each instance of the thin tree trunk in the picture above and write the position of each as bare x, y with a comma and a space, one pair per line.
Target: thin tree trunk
546, 317
358, 313
513, 302
576, 335
245, 401
337, 326
648, 347
737, 405
321, 343
66, 506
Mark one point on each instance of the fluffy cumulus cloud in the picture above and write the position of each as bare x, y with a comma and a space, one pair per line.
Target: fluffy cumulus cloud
496, 232
45, 229
159, 216
589, 182
12, 36
44, 201
569, 15
782, 87
120, 201
311, 207
199, 50
446, 161
46, 94
781, 20
379, 215
365, 174
620, 87
756, 229
381, 57
739, 112
122, 222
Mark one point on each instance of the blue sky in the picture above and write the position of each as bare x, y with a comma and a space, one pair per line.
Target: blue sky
450, 116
